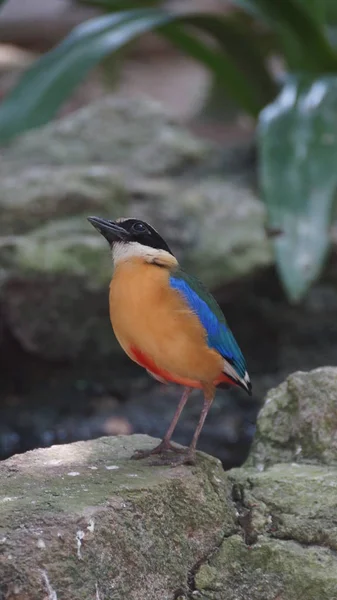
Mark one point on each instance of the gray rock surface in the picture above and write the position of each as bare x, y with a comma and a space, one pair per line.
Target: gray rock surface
298, 421
112, 158
113, 131
83, 521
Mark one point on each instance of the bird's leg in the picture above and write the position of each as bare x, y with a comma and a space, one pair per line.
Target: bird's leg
166, 443
189, 456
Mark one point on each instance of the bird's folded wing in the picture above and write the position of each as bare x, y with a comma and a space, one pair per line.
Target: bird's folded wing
202, 303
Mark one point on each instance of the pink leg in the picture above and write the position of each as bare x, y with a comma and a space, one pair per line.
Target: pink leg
188, 457
166, 444
191, 455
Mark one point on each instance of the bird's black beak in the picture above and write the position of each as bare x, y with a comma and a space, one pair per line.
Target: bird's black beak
110, 230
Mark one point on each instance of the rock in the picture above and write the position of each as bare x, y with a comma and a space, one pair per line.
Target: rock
269, 570
286, 501
48, 196
44, 226
288, 539
298, 421
83, 521
287, 547
113, 131
116, 157
62, 328
80, 520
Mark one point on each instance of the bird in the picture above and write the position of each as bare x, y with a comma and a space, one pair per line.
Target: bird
169, 323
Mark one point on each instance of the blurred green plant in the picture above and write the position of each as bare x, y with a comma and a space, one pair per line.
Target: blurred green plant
296, 112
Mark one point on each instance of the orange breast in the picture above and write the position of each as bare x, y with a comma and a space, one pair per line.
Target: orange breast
156, 328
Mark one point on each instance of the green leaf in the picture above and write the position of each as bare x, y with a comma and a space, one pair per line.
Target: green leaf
238, 67
235, 35
221, 66
298, 175
43, 88
315, 8
331, 12
238, 44
253, 8
298, 24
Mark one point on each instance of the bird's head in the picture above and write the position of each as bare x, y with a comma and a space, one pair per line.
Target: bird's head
133, 238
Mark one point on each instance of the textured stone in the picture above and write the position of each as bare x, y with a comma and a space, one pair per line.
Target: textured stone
38, 196
62, 328
270, 570
114, 131
215, 227
83, 521
299, 420
80, 520
288, 501
286, 549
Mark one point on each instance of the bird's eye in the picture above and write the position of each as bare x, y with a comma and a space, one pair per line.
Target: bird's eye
139, 228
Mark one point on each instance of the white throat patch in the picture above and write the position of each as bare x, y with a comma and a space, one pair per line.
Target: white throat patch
126, 251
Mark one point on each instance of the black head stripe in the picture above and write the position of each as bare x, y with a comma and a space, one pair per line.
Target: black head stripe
143, 233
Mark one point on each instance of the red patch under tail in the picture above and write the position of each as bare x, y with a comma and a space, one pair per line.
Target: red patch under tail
147, 363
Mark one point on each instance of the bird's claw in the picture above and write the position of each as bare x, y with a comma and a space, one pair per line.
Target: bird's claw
163, 448
167, 454
186, 458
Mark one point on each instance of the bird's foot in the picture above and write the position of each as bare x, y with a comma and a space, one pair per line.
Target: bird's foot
167, 454
162, 448
187, 457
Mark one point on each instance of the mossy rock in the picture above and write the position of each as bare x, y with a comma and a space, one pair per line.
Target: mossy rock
83, 521
269, 570
286, 546
115, 131
298, 421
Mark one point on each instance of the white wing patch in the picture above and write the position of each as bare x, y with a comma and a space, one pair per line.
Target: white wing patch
245, 380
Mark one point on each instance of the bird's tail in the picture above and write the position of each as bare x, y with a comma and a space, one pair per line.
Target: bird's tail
231, 377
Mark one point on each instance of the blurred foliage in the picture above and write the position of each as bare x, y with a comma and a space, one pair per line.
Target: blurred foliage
295, 109
298, 168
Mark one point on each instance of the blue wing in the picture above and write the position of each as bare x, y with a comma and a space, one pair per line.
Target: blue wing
219, 336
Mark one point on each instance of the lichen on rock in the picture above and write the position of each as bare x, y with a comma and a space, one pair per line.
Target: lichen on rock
298, 421
285, 495
268, 570
287, 542
85, 517
115, 131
